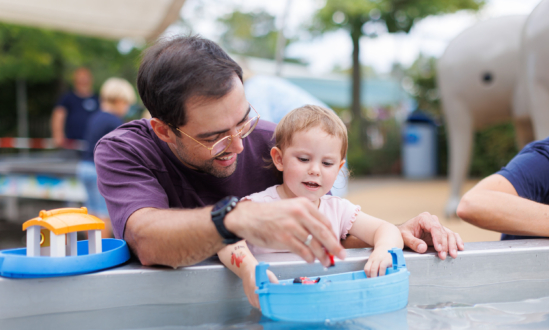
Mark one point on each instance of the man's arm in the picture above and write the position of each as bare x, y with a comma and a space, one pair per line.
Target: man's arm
185, 237
172, 237
58, 117
495, 205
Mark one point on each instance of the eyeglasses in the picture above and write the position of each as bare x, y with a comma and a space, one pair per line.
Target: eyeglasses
223, 144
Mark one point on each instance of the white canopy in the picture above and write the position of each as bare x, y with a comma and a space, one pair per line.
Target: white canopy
112, 19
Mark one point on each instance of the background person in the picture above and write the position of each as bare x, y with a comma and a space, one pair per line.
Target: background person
70, 115
117, 95
515, 200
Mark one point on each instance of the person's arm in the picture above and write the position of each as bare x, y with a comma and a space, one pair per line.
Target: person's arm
238, 258
172, 237
185, 237
418, 233
58, 117
494, 204
382, 235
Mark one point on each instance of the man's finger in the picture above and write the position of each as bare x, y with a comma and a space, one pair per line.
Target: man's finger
452, 244
320, 253
413, 242
438, 234
319, 226
297, 247
459, 241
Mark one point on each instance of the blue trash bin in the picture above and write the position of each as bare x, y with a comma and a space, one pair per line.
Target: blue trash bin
419, 149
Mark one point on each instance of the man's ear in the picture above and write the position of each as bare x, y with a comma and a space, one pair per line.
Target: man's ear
341, 164
276, 155
162, 130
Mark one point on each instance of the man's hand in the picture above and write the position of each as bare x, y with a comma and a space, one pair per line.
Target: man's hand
424, 230
286, 224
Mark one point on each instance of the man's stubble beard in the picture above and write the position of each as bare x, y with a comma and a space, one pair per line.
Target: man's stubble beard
206, 166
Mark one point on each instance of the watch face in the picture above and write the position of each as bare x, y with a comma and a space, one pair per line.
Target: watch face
221, 204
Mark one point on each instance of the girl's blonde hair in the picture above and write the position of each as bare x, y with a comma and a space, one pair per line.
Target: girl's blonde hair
307, 117
117, 89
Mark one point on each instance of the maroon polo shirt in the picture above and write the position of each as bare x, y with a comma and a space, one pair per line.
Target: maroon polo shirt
135, 169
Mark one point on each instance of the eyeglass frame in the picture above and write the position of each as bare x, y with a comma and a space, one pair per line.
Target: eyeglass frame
230, 137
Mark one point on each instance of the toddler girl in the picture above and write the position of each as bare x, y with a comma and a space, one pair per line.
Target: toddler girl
311, 145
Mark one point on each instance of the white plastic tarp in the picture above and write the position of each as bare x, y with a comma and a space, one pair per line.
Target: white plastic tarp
112, 19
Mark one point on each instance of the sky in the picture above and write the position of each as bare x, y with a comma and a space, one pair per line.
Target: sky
430, 36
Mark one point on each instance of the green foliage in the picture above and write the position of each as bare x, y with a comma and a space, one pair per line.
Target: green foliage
385, 160
422, 74
40, 55
252, 34
46, 60
398, 15
494, 147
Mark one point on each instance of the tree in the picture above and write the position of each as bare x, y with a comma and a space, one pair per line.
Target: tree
39, 55
397, 15
252, 34
41, 61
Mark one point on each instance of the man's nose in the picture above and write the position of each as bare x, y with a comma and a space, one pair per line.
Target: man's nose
236, 146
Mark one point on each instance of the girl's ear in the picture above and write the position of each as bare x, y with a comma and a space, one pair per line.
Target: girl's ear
342, 163
276, 155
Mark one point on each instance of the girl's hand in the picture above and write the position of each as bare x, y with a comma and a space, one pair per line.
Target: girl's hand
249, 287
378, 262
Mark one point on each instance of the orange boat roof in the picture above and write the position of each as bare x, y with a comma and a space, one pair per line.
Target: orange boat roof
66, 220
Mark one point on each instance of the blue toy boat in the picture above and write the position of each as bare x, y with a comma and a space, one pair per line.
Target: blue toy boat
15, 263
334, 297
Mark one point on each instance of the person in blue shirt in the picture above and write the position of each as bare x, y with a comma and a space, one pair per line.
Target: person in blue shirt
71, 114
117, 95
515, 200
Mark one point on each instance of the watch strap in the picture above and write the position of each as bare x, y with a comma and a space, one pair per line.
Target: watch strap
218, 218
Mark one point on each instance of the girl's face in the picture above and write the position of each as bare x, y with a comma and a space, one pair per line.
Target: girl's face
310, 164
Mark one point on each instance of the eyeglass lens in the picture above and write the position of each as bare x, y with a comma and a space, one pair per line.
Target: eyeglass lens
225, 143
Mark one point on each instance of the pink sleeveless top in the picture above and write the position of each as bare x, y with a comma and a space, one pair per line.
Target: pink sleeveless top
339, 211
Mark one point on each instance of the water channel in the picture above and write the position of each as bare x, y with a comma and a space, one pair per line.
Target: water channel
503, 285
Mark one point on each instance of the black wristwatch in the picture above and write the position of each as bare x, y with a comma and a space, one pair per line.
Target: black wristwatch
219, 212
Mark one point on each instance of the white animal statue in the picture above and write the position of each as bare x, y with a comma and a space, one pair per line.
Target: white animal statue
478, 80
494, 71
535, 67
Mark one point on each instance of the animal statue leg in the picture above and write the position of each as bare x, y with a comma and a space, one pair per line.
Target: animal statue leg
539, 110
459, 125
535, 65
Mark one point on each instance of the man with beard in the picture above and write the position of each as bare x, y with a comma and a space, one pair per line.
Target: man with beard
172, 183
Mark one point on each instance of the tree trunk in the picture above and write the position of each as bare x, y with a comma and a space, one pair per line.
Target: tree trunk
356, 107
22, 111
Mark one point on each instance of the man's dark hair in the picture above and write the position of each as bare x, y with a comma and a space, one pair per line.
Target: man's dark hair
175, 70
